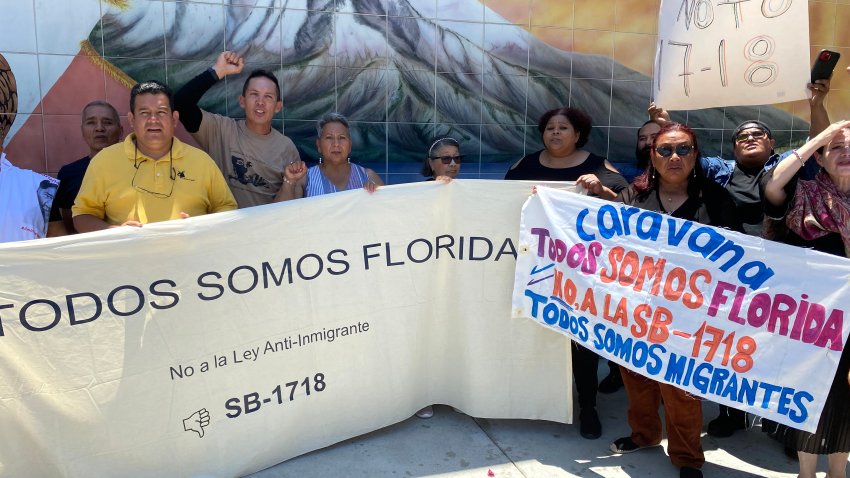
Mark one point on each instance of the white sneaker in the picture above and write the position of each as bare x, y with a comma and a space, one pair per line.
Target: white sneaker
426, 412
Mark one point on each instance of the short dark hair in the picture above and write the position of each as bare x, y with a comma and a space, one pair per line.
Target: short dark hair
427, 170
262, 74
150, 87
647, 181
752, 124
644, 124
103, 103
580, 121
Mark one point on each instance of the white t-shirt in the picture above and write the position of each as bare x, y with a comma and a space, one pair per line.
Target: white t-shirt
25, 200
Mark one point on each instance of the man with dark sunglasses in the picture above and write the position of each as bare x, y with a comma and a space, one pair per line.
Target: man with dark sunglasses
753, 146
151, 176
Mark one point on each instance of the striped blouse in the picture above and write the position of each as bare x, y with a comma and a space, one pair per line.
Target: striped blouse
318, 184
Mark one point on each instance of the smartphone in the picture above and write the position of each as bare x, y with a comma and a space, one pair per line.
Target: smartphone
824, 64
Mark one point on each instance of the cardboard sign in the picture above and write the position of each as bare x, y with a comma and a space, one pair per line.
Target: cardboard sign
713, 53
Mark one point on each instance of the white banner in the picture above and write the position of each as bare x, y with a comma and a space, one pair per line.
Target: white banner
221, 345
731, 53
733, 318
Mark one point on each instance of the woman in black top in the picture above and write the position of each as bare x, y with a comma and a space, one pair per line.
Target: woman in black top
565, 131
674, 184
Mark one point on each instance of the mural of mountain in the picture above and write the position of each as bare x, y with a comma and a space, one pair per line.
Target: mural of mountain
403, 73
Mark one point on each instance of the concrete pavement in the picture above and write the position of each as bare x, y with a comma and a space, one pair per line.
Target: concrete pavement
456, 445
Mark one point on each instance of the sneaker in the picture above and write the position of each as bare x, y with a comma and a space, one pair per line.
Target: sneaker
627, 445
689, 472
589, 424
612, 382
725, 425
426, 412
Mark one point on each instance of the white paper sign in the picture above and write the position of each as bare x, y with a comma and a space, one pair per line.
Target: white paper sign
223, 344
715, 53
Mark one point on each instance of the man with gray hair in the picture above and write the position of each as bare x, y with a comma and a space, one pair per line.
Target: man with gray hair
100, 127
151, 176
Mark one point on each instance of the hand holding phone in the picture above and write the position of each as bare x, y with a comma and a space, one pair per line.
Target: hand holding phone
824, 64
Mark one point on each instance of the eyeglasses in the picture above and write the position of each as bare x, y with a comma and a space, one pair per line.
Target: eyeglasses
448, 159
681, 150
172, 174
756, 134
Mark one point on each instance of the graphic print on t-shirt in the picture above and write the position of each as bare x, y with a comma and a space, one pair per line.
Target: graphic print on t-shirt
244, 174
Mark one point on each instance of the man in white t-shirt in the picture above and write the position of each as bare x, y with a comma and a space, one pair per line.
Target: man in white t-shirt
25, 198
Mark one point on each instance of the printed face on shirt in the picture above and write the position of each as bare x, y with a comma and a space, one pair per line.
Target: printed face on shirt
559, 136
753, 147
334, 144
46, 192
260, 101
836, 156
674, 156
100, 127
153, 121
440, 168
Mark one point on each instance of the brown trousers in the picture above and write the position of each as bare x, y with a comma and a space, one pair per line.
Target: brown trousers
682, 413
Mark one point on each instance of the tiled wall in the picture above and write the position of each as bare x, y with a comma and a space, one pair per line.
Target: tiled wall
403, 71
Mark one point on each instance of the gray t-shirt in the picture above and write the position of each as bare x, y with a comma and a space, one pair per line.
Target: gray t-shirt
252, 164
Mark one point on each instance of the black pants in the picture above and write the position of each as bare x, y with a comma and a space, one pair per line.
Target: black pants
739, 415
585, 365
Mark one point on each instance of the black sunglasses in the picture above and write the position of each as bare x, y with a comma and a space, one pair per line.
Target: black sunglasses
757, 134
448, 159
680, 150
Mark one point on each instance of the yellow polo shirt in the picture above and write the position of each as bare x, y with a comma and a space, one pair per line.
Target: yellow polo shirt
122, 184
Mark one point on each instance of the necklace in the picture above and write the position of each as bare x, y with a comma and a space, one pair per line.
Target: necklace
667, 198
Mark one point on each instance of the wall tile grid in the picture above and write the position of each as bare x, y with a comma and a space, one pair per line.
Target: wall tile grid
403, 72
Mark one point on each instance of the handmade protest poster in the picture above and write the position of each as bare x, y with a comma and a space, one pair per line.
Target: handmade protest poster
737, 319
712, 54
223, 344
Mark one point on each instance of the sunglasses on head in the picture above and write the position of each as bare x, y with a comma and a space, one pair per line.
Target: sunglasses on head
680, 150
448, 159
756, 134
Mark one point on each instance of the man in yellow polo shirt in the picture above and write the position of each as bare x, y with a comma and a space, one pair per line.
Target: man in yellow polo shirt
151, 176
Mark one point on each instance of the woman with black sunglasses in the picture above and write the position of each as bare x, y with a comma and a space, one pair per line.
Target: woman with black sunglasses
675, 185
441, 164
443, 160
